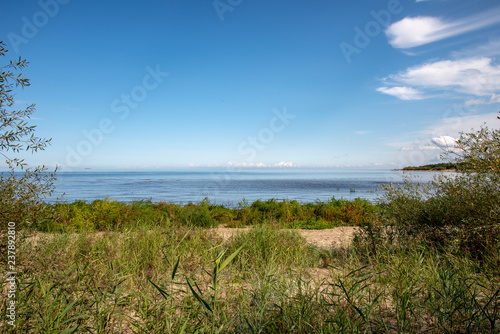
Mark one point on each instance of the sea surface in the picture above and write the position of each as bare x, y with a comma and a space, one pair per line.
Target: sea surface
226, 186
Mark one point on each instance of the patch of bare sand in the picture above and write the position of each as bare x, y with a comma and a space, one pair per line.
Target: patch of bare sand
333, 237
326, 239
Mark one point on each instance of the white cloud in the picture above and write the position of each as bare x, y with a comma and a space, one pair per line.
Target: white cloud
444, 142
362, 132
260, 164
283, 164
416, 31
403, 93
249, 164
472, 76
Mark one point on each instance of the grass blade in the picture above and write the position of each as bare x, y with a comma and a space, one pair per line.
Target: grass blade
70, 330
231, 257
75, 318
67, 309
162, 292
197, 296
183, 328
175, 268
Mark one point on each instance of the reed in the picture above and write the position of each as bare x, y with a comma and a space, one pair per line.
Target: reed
166, 278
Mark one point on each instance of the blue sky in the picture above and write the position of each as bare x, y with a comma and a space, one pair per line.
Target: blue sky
164, 84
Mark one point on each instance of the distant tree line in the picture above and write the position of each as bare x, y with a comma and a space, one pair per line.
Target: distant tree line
431, 167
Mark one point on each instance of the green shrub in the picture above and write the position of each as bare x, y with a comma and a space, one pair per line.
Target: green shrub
312, 224
457, 213
107, 215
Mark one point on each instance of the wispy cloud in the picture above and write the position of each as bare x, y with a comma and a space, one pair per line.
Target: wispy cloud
22, 102
260, 164
403, 93
494, 98
452, 126
490, 49
362, 132
471, 76
416, 31
426, 146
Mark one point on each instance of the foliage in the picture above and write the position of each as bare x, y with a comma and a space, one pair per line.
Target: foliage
478, 152
266, 245
21, 194
108, 215
458, 213
179, 279
434, 167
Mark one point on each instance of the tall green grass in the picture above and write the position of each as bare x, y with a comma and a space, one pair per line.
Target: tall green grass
167, 278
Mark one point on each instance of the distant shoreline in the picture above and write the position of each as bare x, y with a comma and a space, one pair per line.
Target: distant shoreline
426, 170
441, 167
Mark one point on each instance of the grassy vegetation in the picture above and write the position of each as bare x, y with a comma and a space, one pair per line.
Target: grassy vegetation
158, 268
167, 278
107, 215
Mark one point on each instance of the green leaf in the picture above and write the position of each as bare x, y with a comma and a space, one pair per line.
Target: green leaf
175, 268
162, 292
70, 330
75, 318
67, 309
203, 302
183, 328
231, 257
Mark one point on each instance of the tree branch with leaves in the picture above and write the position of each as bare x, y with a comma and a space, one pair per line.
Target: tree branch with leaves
477, 152
21, 192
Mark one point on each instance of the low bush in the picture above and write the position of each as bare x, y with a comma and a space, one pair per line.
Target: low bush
109, 215
455, 213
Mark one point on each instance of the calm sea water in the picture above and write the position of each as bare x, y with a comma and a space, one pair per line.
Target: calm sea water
226, 187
